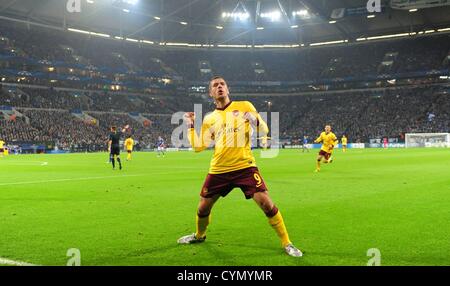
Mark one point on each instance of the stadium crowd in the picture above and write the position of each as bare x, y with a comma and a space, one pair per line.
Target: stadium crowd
119, 61
362, 114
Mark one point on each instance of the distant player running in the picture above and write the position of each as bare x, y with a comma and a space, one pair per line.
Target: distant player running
344, 143
233, 164
329, 141
129, 143
114, 145
160, 144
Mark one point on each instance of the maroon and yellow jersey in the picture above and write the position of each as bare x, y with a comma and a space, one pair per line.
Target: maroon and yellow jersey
328, 141
230, 133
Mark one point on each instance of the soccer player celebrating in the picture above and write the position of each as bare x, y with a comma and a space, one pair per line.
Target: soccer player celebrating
329, 140
114, 145
160, 145
129, 143
233, 164
344, 143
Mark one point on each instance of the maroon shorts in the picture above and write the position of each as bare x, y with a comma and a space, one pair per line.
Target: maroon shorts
325, 154
248, 180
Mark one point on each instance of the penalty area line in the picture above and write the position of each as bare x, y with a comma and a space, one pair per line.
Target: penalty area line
4, 261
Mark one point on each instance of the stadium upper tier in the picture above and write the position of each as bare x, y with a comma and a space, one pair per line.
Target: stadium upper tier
58, 58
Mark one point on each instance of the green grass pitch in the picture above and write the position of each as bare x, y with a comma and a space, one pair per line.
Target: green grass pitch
395, 200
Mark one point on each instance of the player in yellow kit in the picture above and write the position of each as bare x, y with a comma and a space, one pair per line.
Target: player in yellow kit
129, 143
2, 147
233, 164
344, 143
329, 141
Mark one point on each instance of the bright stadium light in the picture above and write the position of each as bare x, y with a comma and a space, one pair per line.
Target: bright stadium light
273, 16
219, 27
130, 2
126, 10
294, 26
90, 1
242, 16
259, 28
370, 16
157, 18
301, 13
413, 10
183, 23
332, 22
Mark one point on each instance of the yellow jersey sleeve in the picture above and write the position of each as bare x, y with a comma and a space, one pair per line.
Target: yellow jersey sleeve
335, 140
261, 125
201, 141
319, 139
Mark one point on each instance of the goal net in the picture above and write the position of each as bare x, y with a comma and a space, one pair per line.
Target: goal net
427, 140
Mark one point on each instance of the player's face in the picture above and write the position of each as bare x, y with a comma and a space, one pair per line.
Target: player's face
328, 129
219, 89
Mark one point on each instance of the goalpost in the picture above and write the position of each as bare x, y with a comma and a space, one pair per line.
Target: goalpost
427, 140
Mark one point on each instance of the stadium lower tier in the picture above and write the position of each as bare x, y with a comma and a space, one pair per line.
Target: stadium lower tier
83, 119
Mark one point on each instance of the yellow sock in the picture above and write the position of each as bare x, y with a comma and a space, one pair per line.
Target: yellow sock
202, 224
278, 225
129, 156
318, 165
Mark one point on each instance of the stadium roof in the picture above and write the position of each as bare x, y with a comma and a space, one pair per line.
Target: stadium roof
211, 21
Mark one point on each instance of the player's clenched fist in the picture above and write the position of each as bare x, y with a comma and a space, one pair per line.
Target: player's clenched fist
189, 118
250, 117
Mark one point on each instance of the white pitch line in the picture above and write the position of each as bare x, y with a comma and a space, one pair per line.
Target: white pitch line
23, 163
87, 178
4, 261
68, 180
